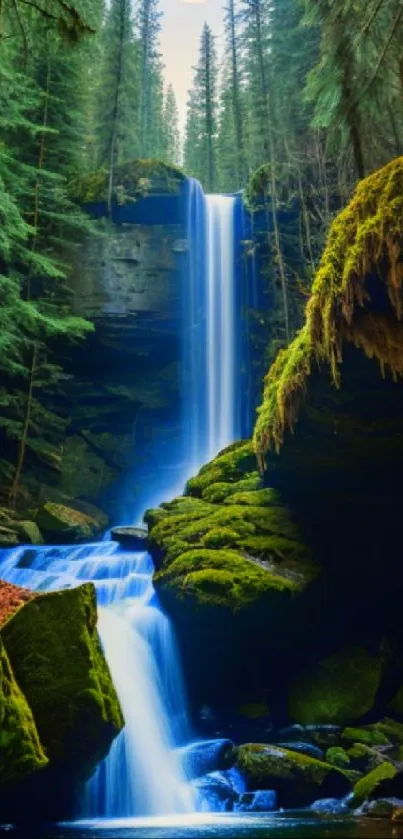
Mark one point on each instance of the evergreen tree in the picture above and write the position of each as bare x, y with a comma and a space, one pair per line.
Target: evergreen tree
171, 128
117, 91
232, 154
151, 86
201, 131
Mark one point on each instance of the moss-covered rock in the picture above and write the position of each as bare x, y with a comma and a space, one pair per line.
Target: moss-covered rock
132, 180
55, 653
367, 786
29, 533
230, 465
21, 752
337, 756
370, 736
297, 778
339, 689
63, 524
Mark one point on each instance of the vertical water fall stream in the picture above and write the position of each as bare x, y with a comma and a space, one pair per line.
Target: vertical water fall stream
142, 774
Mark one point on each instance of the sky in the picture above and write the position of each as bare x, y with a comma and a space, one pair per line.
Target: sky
182, 26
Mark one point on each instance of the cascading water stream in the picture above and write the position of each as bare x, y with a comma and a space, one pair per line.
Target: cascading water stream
143, 773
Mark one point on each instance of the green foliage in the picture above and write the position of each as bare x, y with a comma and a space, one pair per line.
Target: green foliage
200, 142
337, 756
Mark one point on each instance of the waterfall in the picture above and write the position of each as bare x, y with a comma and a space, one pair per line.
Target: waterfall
143, 773
211, 327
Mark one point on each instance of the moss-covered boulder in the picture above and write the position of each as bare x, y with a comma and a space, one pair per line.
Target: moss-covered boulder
21, 752
339, 689
54, 651
229, 554
369, 786
63, 524
297, 778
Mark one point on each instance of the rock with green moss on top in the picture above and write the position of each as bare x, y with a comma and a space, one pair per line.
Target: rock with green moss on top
63, 524
369, 736
367, 786
133, 179
21, 752
55, 653
298, 779
339, 689
337, 756
230, 466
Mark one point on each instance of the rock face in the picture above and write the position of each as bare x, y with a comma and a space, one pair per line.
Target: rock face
60, 710
132, 538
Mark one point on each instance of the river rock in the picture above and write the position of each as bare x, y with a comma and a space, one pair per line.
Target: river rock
218, 791
132, 538
260, 801
61, 524
304, 748
206, 756
298, 779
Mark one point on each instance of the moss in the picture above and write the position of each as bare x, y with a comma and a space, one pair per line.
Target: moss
305, 777
277, 549
367, 785
20, 749
58, 522
367, 736
132, 180
222, 578
229, 466
396, 703
55, 652
341, 688
217, 493
257, 498
365, 239
221, 537
392, 729
337, 756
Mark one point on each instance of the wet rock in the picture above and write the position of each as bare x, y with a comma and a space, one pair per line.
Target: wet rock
133, 538
207, 756
218, 791
382, 808
330, 806
8, 537
376, 784
29, 533
60, 524
298, 779
304, 748
260, 801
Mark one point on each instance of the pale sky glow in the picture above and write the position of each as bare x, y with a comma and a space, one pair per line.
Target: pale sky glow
182, 26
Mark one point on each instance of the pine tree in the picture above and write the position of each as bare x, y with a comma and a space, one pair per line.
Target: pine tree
171, 128
232, 121
117, 91
151, 96
201, 154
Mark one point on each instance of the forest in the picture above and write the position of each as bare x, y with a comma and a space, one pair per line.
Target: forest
201, 363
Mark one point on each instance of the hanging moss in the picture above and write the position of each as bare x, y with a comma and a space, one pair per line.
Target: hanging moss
365, 241
132, 180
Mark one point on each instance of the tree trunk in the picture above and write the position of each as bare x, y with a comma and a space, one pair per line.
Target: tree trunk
25, 431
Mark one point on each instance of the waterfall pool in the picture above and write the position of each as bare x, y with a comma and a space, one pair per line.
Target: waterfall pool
291, 826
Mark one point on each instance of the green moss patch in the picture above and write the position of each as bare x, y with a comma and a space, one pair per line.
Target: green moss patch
341, 688
366, 786
21, 752
55, 652
60, 523
368, 736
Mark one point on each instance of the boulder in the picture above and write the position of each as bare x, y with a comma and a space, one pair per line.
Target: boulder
206, 756
339, 689
21, 752
371, 786
218, 791
260, 801
8, 537
337, 756
29, 533
55, 653
60, 524
383, 808
132, 538
298, 779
